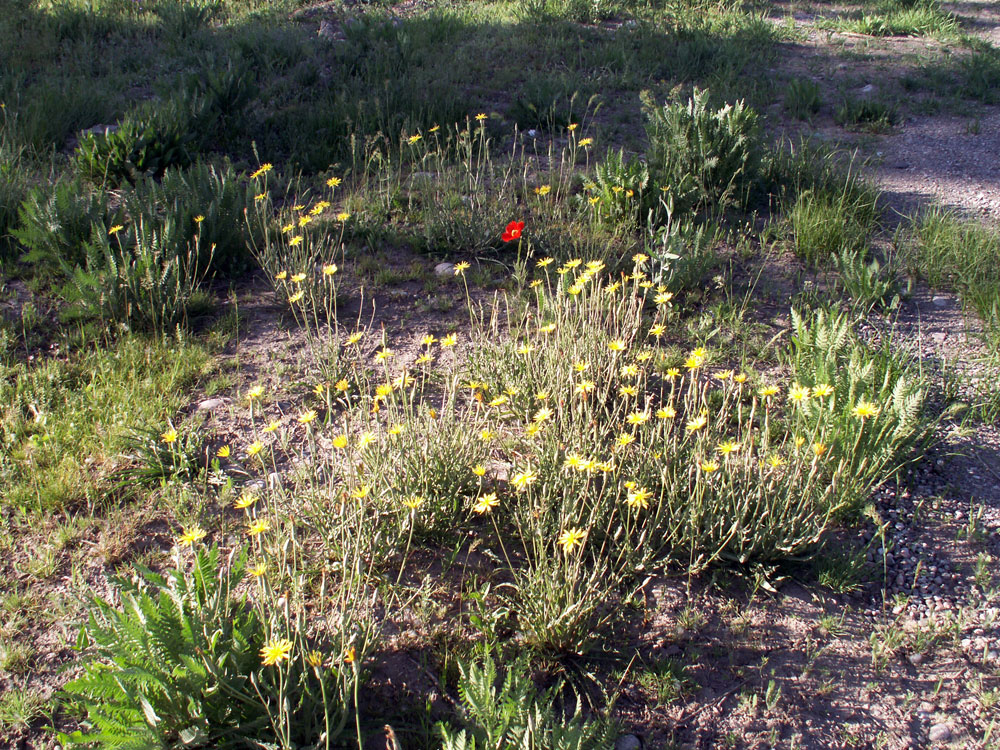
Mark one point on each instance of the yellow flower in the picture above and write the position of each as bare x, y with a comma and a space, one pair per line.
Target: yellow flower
523, 479
361, 492
314, 658
798, 393
287, 228
543, 414
296, 297
624, 439
261, 170
543, 190
413, 139
575, 289
350, 655
198, 219
333, 182
450, 340
584, 142
637, 417
618, 345
667, 412
663, 298
434, 129
532, 429
638, 498
498, 401
303, 220
191, 535
299, 278
724, 375
741, 378
585, 387
414, 501
260, 196
341, 385
355, 338
693, 425
709, 467
628, 390
728, 447
307, 416
423, 359
819, 449
693, 362
461, 268
223, 452
254, 448
257, 570
542, 395
572, 126
275, 652
115, 229
245, 500
272, 426
657, 330
775, 461
486, 435
865, 409
397, 429
673, 372
343, 216
403, 380
281, 275
340, 442
329, 269
481, 116
571, 539
479, 470
257, 526
822, 390
170, 436
525, 349
486, 503
573, 461
630, 371
547, 328
768, 390
384, 354
580, 366
544, 262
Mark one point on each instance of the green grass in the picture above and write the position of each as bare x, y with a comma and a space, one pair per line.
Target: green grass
65, 419
953, 253
900, 18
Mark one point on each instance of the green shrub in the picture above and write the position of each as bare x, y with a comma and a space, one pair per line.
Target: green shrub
146, 143
701, 156
873, 442
618, 190
177, 664
682, 253
55, 224
866, 114
210, 204
869, 283
140, 278
514, 714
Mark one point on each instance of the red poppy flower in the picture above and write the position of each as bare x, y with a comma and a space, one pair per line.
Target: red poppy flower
513, 231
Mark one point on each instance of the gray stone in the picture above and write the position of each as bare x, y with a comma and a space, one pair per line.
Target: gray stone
211, 404
628, 742
444, 269
940, 733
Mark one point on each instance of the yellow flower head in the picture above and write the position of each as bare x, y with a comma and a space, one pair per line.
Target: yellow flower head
523, 479
628, 391
618, 345
223, 452
257, 570
343, 216
314, 658
272, 426
657, 330
768, 390
198, 219
355, 338
329, 269
307, 416
115, 229
191, 535
257, 527
667, 412
866, 409
822, 390
481, 116
450, 340
819, 449
638, 498
384, 354
275, 651
584, 142
170, 436
547, 328
254, 448
414, 501
486, 435
584, 387
624, 439
261, 170
798, 393
281, 275
245, 500
637, 417
544, 262
543, 190
461, 268
333, 182
728, 447
571, 539
693, 425
340, 442
485, 503
709, 467
413, 139
296, 297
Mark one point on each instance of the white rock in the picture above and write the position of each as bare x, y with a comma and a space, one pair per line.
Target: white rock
211, 404
940, 733
444, 269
